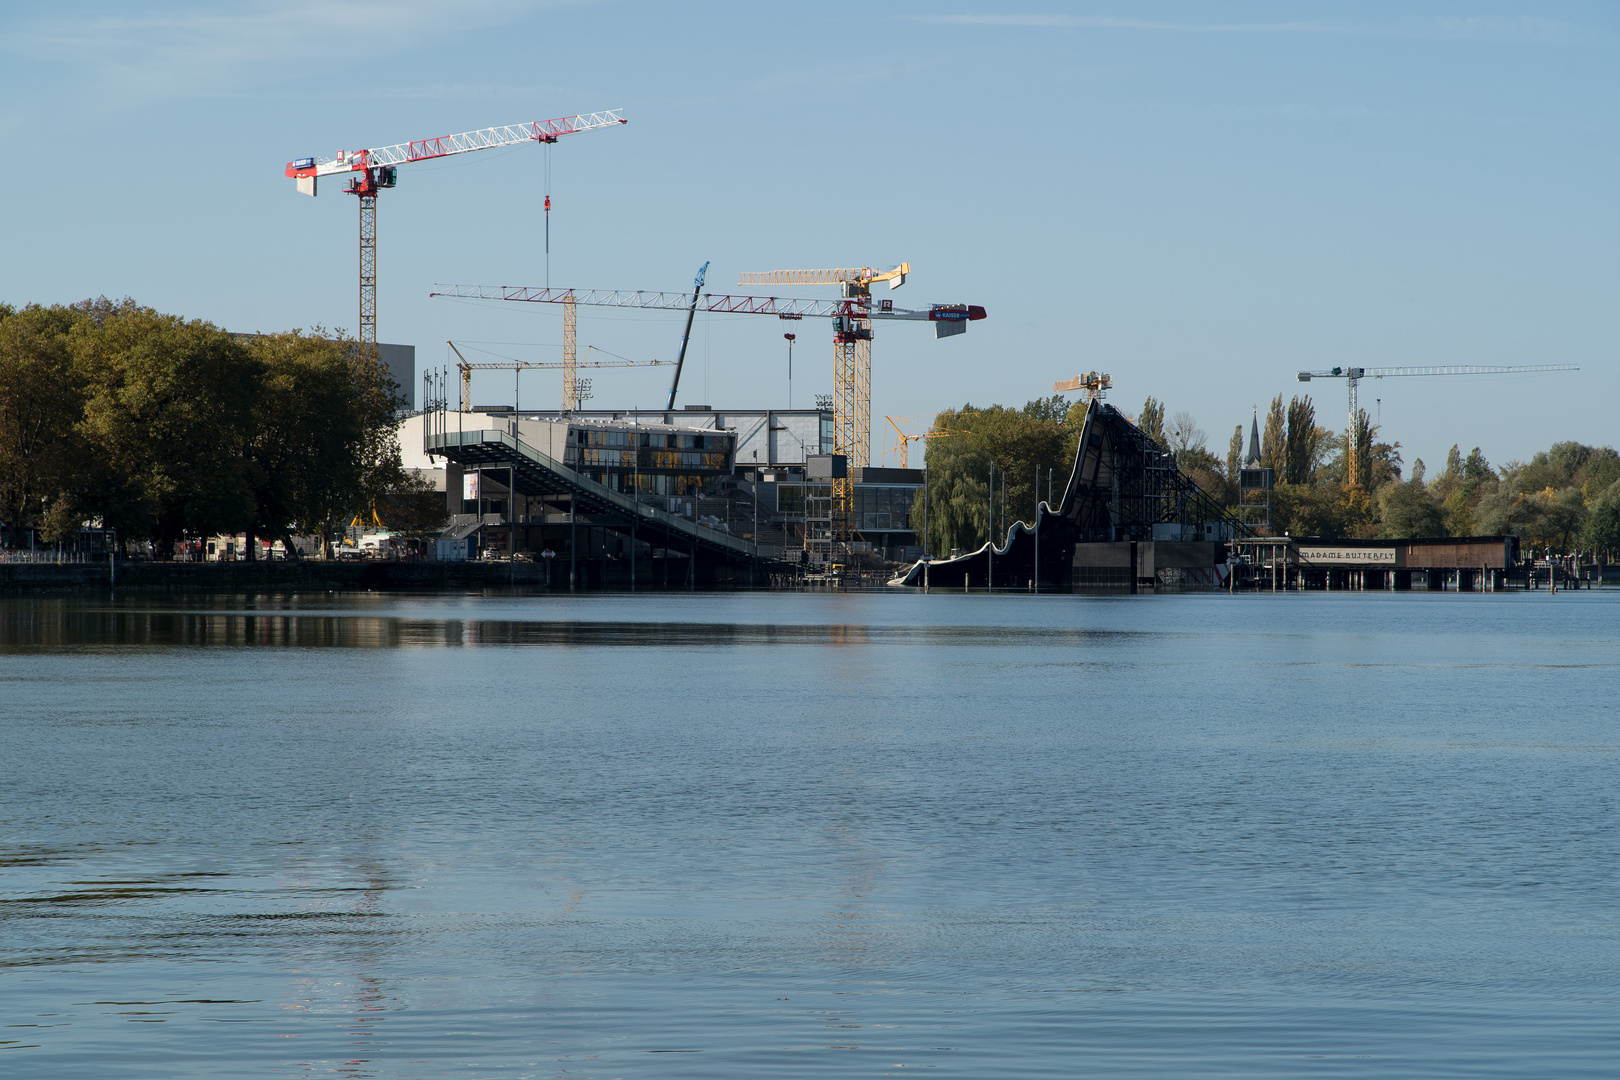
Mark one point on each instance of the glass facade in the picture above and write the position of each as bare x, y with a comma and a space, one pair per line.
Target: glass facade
653, 462
878, 507
882, 507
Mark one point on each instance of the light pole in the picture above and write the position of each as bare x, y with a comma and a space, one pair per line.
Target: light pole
990, 534
756, 517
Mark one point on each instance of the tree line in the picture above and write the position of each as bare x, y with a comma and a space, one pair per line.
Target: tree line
1566, 498
117, 416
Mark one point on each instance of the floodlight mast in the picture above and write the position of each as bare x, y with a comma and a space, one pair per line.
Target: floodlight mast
1353, 375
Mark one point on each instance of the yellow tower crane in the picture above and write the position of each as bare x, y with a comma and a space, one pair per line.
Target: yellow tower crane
852, 369
906, 438
1095, 384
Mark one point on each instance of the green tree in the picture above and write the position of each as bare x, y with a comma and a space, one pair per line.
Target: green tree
1151, 422
1309, 510
1303, 442
1408, 509
318, 451
1377, 463
958, 490
1599, 473
1016, 442
1274, 438
1603, 522
40, 401
1457, 514
166, 420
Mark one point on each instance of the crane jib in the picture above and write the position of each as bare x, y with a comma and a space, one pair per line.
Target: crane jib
544, 131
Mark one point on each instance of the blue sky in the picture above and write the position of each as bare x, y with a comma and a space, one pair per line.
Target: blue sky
1200, 198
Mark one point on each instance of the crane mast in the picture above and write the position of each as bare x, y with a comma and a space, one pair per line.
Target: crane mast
372, 170
1353, 375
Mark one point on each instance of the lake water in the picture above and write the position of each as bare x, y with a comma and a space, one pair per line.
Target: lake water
1337, 835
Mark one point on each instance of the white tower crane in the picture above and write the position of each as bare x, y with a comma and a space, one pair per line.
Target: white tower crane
1353, 375
372, 170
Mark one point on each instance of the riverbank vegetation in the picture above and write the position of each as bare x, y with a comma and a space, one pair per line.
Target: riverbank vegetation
116, 416
1566, 498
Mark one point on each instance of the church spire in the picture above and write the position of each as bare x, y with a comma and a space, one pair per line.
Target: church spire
1253, 460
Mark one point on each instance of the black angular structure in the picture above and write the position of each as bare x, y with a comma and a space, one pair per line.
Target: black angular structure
1128, 518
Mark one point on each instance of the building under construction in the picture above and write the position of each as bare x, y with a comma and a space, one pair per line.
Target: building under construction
633, 498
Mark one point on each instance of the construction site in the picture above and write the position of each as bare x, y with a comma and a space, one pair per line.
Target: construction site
693, 496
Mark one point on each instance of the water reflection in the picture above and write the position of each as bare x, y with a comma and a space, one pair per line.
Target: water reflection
30, 626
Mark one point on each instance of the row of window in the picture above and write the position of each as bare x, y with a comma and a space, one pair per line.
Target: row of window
655, 483
667, 460
651, 439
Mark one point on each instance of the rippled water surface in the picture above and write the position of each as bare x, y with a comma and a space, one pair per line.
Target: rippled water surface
810, 835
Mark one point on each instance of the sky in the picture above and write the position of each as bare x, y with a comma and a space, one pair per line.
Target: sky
1200, 199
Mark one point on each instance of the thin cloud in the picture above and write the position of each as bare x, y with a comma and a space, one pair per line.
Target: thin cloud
1104, 22
1525, 29
210, 52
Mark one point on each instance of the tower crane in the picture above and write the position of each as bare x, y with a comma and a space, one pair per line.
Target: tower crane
1353, 375
852, 367
370, 171
467, 367
852, 361
905, 439
1095, 384
851, 316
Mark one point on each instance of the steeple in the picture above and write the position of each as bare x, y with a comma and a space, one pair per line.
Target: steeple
1253, 460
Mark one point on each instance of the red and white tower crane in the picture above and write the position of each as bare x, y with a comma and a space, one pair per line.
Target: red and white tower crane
370, 171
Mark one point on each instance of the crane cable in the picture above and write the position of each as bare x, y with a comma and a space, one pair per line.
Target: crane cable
548, 215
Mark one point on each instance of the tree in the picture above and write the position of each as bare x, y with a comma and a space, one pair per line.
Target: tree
1603, 522
1184, 434
957, 492
166, 419
1564, 519
1309, 510
1234, 455
1409, 509
1152, 420
1016, 442
1599, 473
1303, 442
1054, 408
40, 400
1376, 463
314, 455
1274, 438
